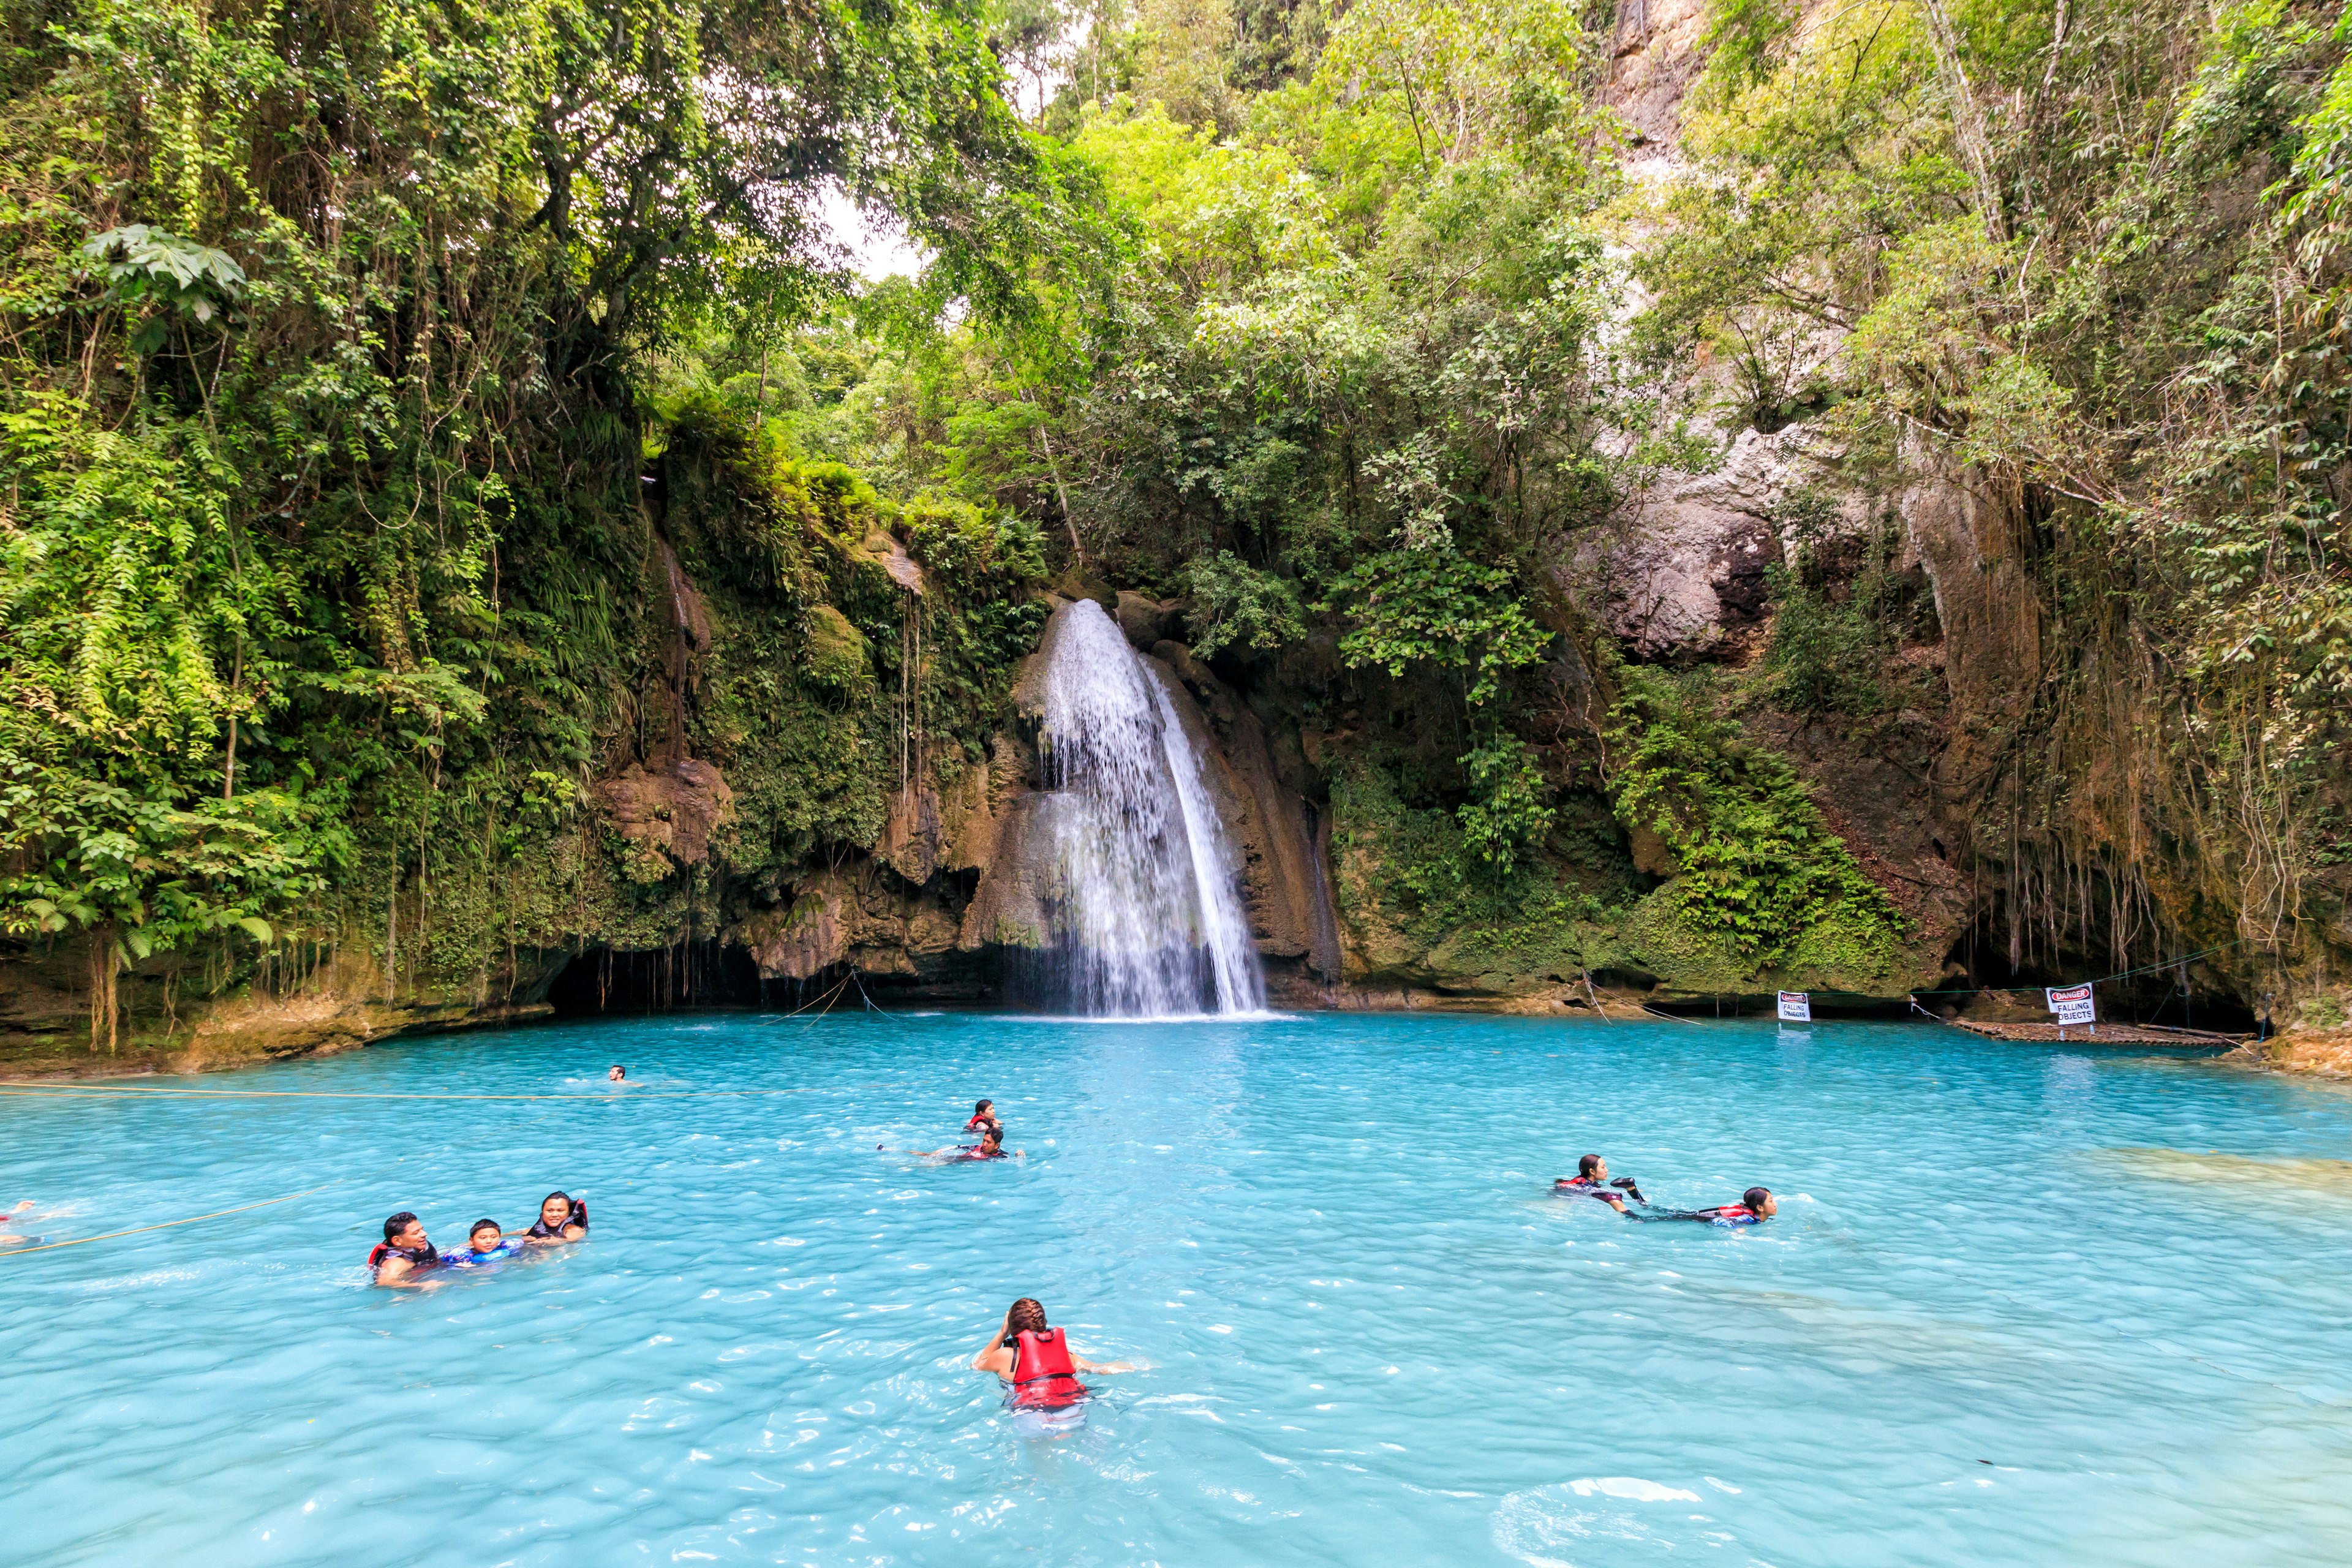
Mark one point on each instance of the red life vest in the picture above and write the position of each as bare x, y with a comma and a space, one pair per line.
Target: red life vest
979, 1118
1044, 1377
426, 1258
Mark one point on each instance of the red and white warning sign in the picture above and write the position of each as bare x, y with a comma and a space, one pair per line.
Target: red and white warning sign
1796, 1007
2073, 1004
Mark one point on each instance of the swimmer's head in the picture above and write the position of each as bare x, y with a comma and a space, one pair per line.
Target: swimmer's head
1028, 1317
991, 1137
397, 1228
555, 1210
617, 1073
982, 1108
485, 1237
1592, 1168
1761, 1200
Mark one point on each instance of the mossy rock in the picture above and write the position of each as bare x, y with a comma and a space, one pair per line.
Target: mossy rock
835, 653
1076, 584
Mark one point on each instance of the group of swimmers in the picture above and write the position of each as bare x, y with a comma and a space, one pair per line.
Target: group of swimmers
1591, 1180
407, 1256
992, 1139
1035, 1362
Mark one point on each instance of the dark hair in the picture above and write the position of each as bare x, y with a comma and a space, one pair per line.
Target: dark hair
983, 1105
1588, 1164
1028, 1317
994, 1129
396, 1224
482, 1225
619, 1069
1753, 1196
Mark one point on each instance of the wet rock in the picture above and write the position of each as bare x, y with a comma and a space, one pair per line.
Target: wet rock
671, 813
1146, 622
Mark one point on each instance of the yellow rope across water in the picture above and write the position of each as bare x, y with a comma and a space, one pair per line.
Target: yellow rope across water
141, 1230
90, 1089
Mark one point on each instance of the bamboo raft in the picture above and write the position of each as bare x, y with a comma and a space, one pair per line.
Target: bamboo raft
2102, 1033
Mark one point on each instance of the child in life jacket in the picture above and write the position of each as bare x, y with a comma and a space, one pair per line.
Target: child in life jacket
1756, 1206
1036, 1363
1592, 1181
485, 1243
984, 1115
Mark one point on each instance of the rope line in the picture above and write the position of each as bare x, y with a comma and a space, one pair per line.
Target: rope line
12, 1087
141, 1230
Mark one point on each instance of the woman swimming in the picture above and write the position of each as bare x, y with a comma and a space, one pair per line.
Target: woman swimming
1036, 1363
562, 1217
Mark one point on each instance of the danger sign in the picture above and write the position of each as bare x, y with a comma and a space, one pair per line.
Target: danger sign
1796, 1007
2073, 1004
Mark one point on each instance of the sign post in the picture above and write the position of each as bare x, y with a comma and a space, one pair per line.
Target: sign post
2073, 1004
1796, 1007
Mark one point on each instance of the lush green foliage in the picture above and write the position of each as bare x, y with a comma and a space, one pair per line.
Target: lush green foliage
319, 432
1755, 860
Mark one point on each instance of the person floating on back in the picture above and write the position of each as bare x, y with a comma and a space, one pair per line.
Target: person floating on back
561, 1218
485, 1243
984, 1115
1592, 1181
1754, 1206
1036, 1362
404, 1254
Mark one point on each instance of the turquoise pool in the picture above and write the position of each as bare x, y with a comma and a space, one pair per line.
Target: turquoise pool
2022, 1305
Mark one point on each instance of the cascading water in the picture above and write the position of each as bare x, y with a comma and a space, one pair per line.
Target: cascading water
1147, 919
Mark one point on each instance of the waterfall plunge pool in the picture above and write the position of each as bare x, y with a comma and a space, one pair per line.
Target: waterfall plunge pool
2022, 1305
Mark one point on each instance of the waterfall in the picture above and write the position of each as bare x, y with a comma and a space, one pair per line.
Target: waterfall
1146, 918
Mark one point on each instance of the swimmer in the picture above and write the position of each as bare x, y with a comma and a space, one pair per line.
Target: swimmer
8, 1225
561, 1218
404, 1252
1754, 1206
1592, 1181
1038, 1363
984, 1115
485, 1243
616, 1074
990, 1147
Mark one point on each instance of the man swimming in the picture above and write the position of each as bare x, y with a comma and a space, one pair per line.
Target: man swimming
1756, 1206
8, 1222
1039, 1363
561, 1218
405, 1253
617, 1074
990, 1147
1592, 1181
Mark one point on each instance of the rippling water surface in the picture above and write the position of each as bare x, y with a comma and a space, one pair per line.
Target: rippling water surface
2024, 1305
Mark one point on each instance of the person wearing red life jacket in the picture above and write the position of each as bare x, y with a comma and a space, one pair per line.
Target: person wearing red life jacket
1592, 1181
1756, 1206
990, 1147
1036, 1362
984, 1115
404, 1254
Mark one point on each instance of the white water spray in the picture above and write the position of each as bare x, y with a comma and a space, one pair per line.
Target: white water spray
1147, 919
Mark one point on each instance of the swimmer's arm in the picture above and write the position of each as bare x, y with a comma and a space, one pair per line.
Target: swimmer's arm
1083, 1364
394, 1271
995, 1358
